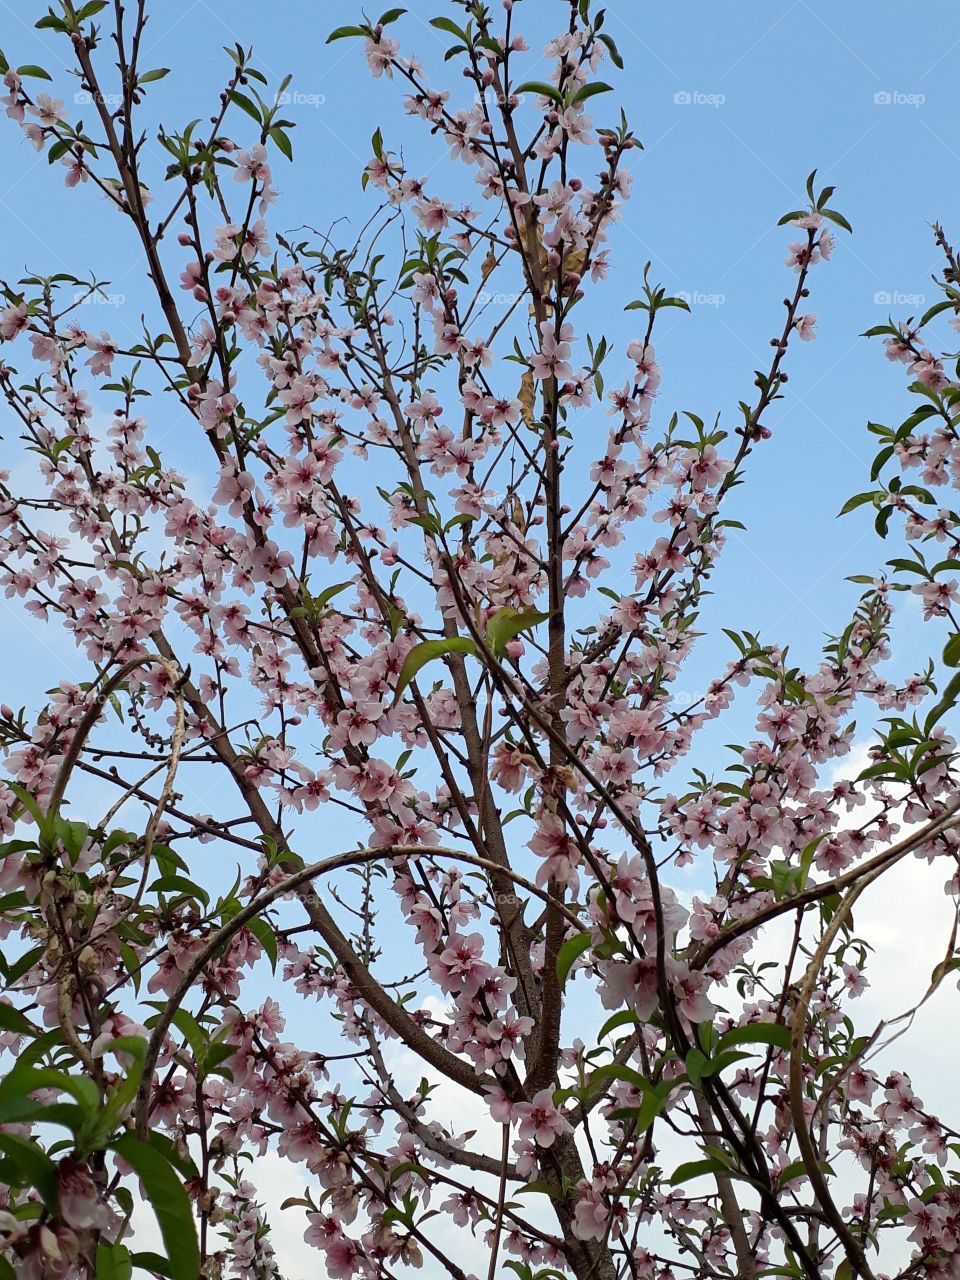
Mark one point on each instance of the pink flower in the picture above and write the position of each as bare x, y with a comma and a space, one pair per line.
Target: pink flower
540, 1119
342, 1259
501, 1108
937, 596
252, 165
854, 980
13, 320
558, 850
104, 352
551, 360
460, 966
379, 55
591, 1215
47, 110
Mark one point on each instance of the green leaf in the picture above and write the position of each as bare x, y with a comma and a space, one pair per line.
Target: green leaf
123, 1092
948, 699
539, 86
571, 950
246, 105
626, 1017
192, 1032
507, 623
858, 500
644, 1115
696, 1169
282, 142
113, 1262
342, 32
695, 1063
591, 90
72, 835
263, 933
951, 651
149, 76
13, 1020
168, 1149
772, 1033
151, 1262
59, 148
796, 1169
628, 1075
947, 305
38, 73
613, 51
451, 28
28, 802
170, 1204
30, 1166
181, 887
838, 218
25, 1079
425, 652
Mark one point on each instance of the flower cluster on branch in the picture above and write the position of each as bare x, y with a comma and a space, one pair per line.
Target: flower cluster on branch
434, 577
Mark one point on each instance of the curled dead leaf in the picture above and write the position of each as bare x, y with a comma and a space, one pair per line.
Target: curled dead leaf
527, 396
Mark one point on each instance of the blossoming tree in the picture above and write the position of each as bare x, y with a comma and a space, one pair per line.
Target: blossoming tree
434, 662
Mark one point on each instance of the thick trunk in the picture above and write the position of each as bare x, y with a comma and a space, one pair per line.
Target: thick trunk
588, 1259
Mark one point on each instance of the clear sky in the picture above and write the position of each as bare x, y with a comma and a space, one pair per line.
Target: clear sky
735, 104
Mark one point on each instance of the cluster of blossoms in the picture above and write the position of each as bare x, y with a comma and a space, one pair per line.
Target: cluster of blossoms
426, 653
